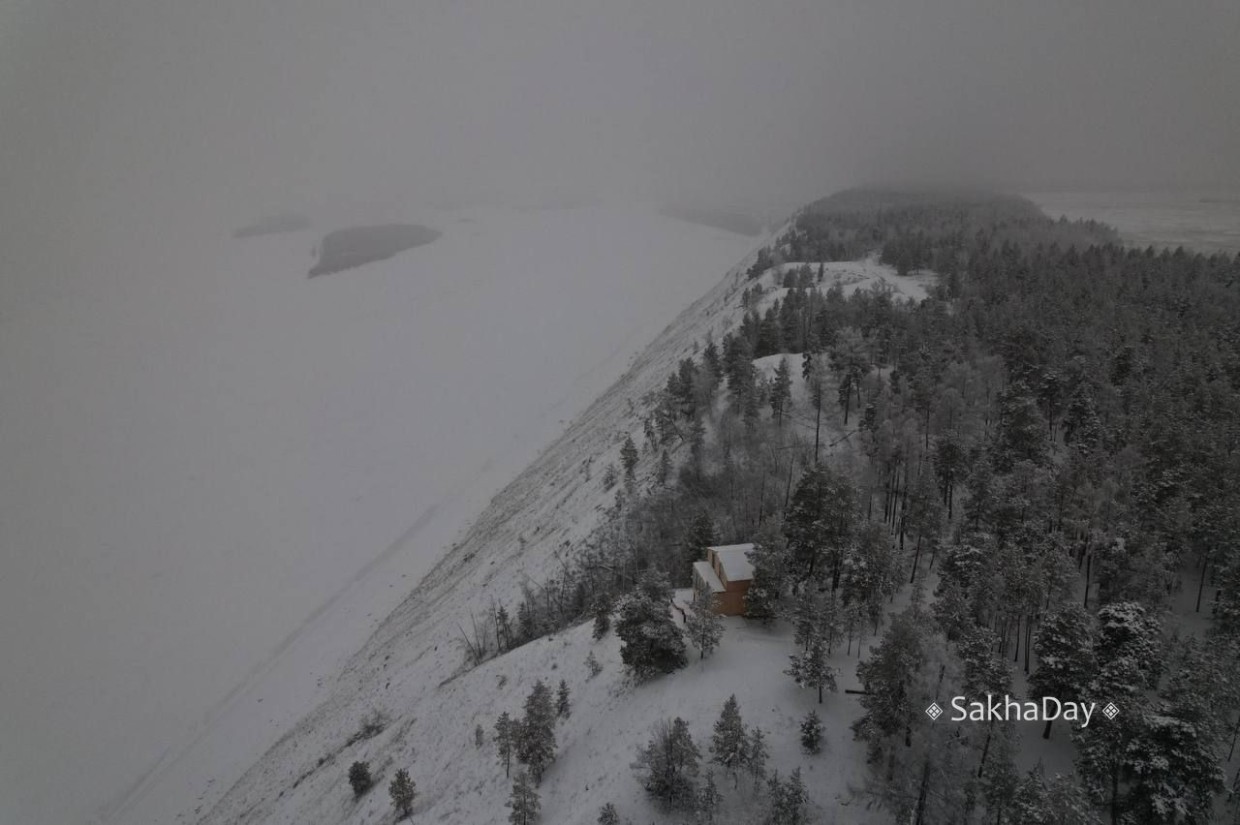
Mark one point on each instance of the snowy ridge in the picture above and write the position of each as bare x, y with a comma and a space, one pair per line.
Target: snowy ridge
415, 653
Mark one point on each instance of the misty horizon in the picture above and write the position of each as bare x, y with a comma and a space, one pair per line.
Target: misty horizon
137, 137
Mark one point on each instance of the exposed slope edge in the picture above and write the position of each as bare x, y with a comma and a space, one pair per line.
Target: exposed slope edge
547, 509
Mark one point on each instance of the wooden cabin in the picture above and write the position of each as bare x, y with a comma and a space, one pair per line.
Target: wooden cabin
725, 573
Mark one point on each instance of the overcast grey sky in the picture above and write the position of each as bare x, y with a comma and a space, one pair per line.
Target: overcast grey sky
183, 106
129, 122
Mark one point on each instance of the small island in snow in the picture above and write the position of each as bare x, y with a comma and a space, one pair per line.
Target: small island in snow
350, 248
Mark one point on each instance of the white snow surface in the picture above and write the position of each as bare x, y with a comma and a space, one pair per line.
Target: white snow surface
734, 560
219, 476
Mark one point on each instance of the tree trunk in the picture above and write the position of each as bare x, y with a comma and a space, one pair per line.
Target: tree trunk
1201, 585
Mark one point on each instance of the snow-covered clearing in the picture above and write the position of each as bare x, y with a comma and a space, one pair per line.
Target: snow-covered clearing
220, 475
851, 276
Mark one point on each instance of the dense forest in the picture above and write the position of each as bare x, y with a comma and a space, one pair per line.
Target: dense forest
1027, 482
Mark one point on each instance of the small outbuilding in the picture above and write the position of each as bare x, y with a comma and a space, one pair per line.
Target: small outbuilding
725, 574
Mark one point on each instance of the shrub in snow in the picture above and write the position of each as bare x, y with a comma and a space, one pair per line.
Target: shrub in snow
608, 815
359, 778
592, 664
563, 707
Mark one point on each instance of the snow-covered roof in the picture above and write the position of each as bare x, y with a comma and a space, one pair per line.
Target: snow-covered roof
735, 563
707, 574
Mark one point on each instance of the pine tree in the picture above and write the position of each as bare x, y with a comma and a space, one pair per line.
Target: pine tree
562, 706
359, 778
888, 678
786, 802
811, 733
729, 746
708, 800
608, 815
769, 560
524, 802
592, 664
503, 629
704, 625
699, 536
403, 792
668, 765
664, 471
810, 669
602, 618
1064, 647
505, 740
535, 746
820, 525
1057, 802
781, 391
652, 643
628, 457
756, 755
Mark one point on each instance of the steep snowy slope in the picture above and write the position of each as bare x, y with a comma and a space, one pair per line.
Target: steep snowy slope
411, 668
219, 474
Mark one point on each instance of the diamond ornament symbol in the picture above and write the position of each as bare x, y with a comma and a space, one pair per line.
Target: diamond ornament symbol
934, 711
1110, 711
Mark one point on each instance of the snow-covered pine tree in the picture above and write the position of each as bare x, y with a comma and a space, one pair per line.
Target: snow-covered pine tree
709, 798
505, 740
602, 617
563, 707
699, 536
811, 733
1064, 647
652, 643
770, 564
984, 672
535, 746
781, 391
729, 746
810, 669
523, 802
703, 625
1058, 801
628, 457
608, 815
887, 678
786, 802
592, 664
668, 765
403, 792
664, 471
756, 755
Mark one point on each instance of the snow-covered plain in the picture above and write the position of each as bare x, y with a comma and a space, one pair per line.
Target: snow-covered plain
219, 475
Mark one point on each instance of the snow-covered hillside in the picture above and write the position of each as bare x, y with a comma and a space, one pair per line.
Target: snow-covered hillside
412, 668
221, 475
